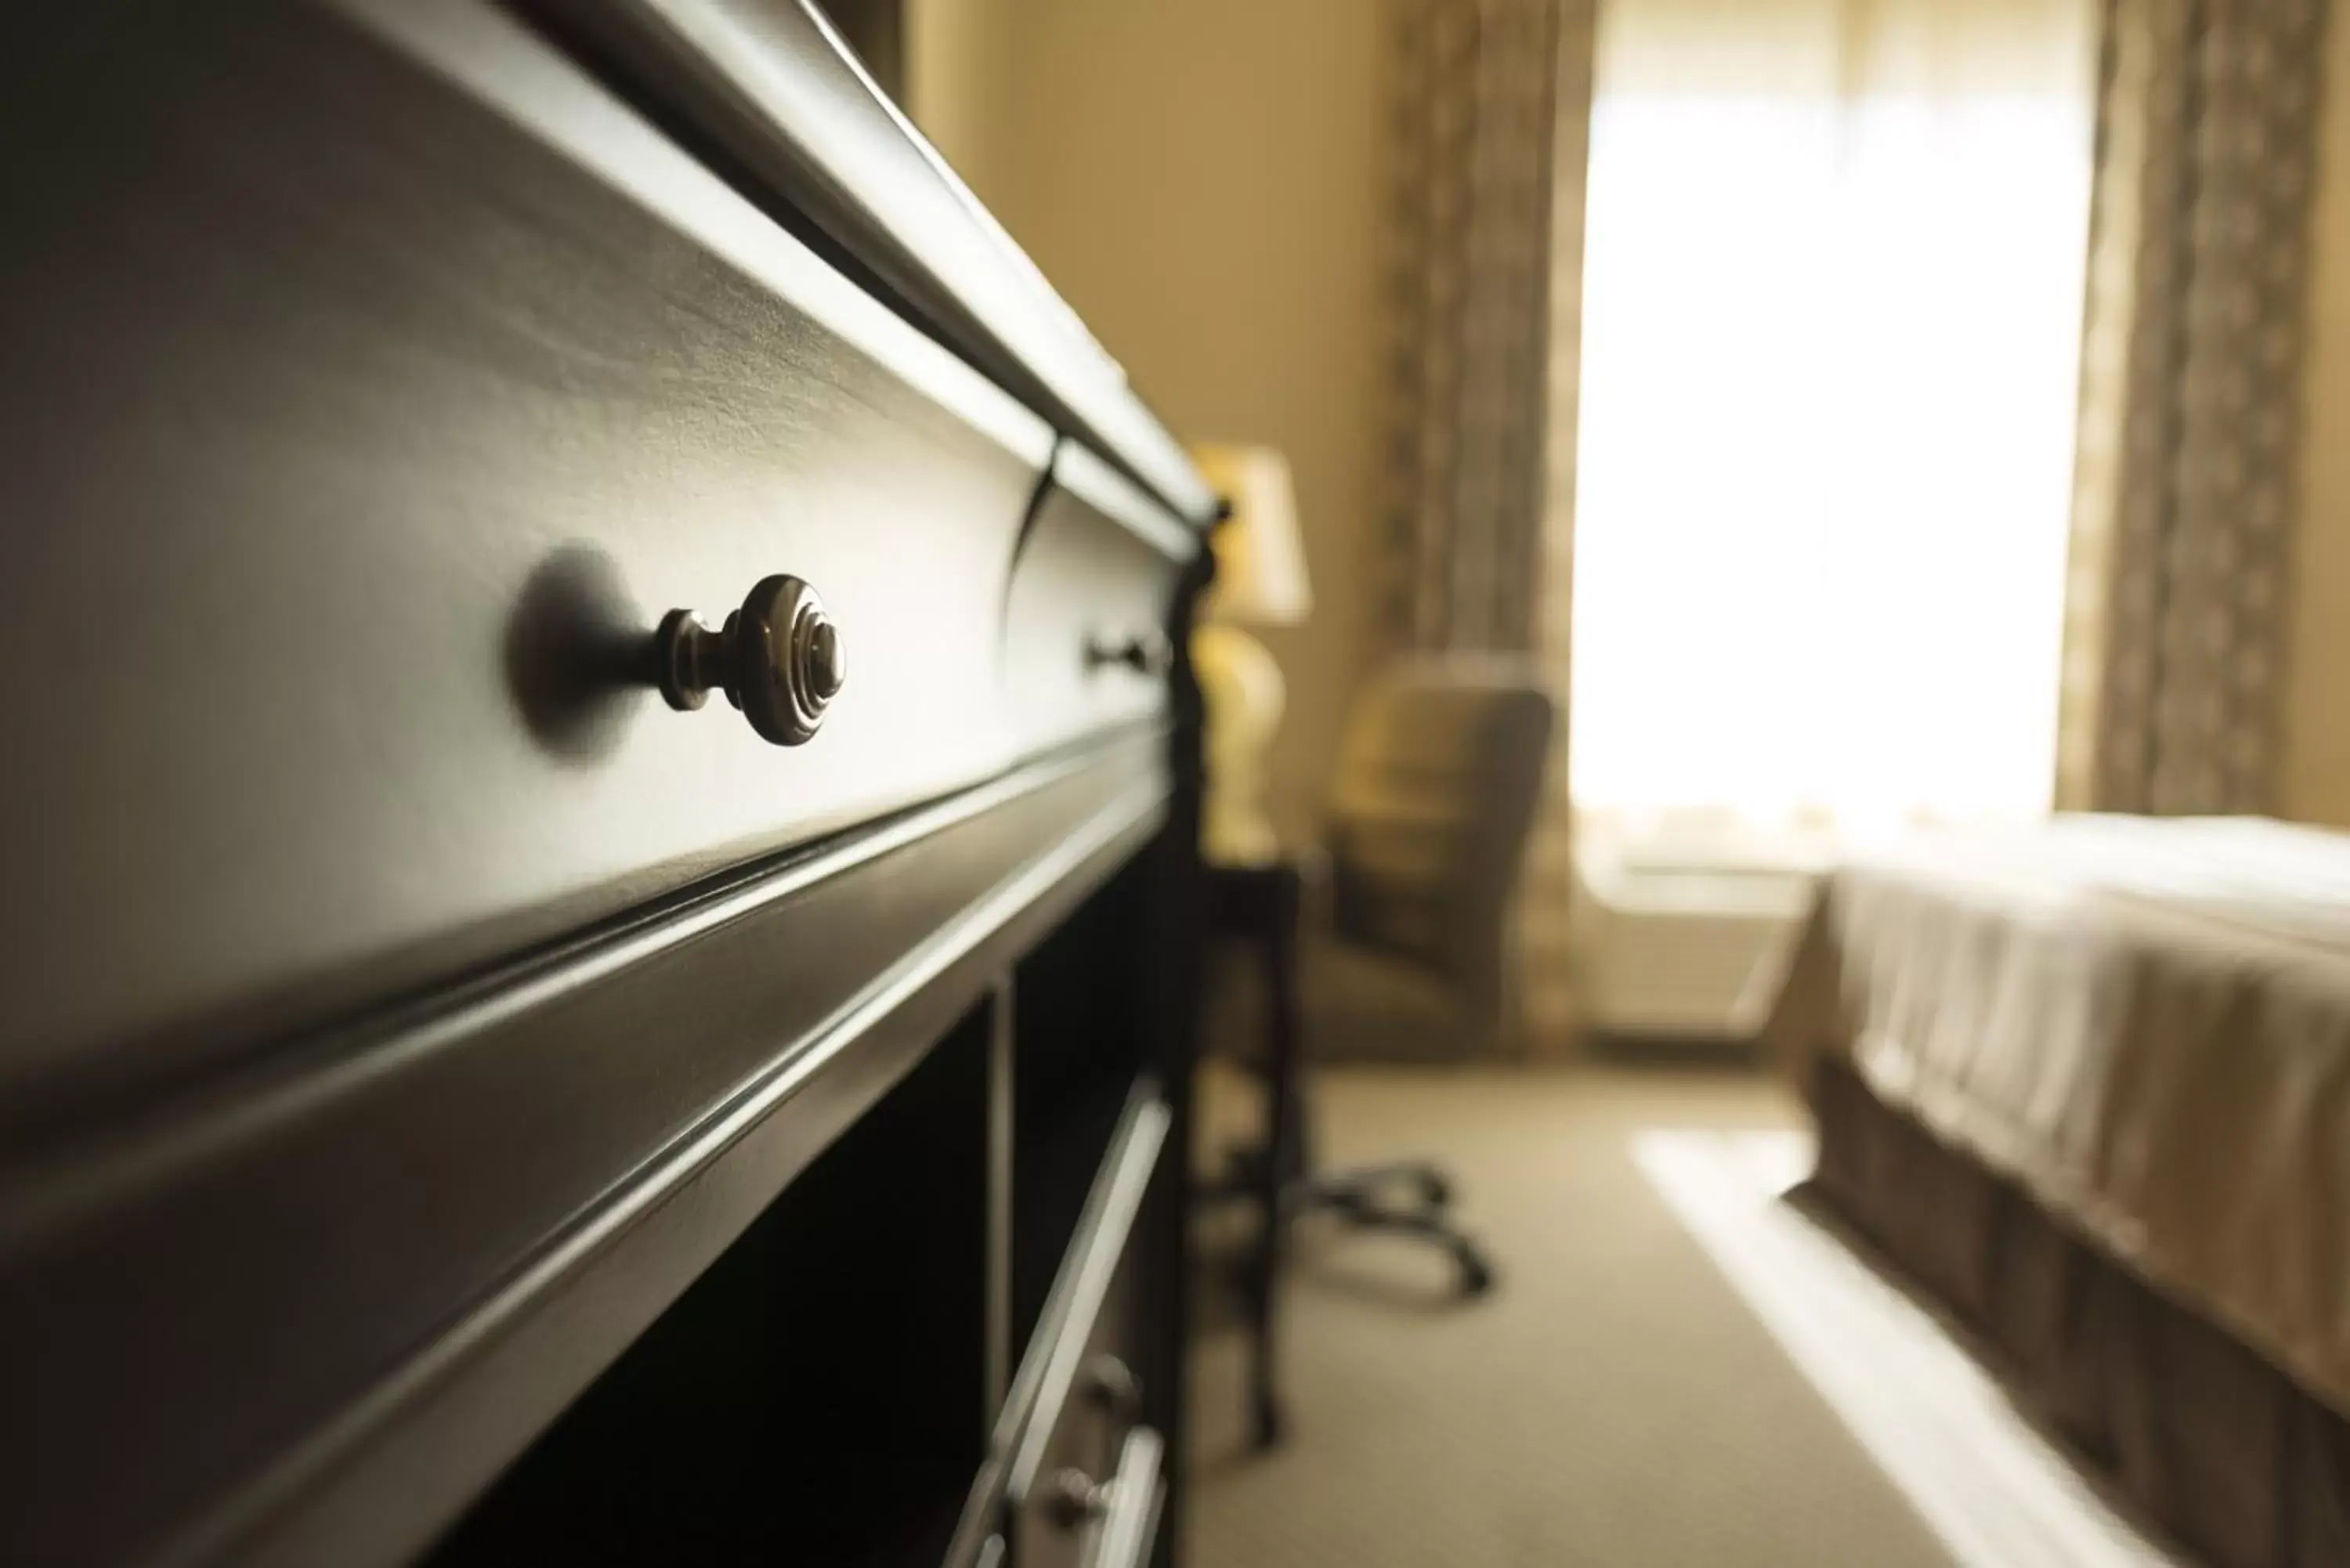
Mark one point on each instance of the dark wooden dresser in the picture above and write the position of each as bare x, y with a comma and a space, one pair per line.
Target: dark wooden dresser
599, 812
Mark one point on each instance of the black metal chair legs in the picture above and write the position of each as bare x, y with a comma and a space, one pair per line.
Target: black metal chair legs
1411, 1198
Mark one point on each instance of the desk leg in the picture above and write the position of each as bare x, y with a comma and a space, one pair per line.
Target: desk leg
1284, 1144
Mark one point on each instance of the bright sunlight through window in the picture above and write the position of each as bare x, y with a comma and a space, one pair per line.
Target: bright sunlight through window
1831, 323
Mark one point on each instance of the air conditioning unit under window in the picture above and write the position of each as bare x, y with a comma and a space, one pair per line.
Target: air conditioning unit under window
1686, 941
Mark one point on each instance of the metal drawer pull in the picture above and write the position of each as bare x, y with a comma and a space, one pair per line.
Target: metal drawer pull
1145, 653
1119, 1515
778, 658
1111, 1385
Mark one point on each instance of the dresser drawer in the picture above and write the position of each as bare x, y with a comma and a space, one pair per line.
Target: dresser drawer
1081, 1450
1077, 1399
1084, 646
379, 380
1111, 1522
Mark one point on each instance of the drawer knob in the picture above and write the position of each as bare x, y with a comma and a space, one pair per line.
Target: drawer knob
1120, 1514
1111, 1385
1074, 1497
778, 658
1145, 653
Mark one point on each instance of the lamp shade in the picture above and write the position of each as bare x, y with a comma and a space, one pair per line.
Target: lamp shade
1259, 561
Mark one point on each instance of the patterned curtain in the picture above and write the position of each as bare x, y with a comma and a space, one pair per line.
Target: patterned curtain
1492, 123
1476, 91
2183, 508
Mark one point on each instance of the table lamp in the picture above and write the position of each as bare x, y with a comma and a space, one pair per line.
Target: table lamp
1260, 581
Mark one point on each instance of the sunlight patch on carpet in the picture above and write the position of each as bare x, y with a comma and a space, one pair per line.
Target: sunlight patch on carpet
1994, 1490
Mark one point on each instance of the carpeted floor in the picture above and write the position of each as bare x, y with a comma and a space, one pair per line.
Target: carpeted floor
1614, 1402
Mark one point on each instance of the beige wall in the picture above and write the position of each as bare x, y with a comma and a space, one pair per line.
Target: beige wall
1202, 179
2316, 774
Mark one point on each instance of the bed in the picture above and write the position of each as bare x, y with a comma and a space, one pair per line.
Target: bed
2089, 1083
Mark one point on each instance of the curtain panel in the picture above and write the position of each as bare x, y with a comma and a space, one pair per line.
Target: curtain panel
2190, 387
1491, 118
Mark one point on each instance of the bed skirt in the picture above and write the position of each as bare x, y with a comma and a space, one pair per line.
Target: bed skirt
2201, 1434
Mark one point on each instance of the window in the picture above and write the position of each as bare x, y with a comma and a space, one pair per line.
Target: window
1831, 321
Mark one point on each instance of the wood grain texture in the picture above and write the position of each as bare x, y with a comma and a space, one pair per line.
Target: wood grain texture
360, 428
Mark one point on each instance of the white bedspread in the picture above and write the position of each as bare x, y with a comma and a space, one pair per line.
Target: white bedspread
2145, 1023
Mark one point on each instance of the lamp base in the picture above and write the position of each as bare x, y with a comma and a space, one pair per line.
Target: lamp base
1244, 694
